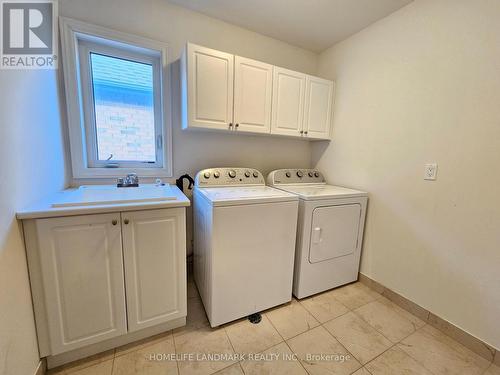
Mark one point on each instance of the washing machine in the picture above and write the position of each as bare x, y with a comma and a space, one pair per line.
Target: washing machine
244, 243
329, 231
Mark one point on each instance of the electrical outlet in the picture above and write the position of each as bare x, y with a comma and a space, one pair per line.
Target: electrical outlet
430, 171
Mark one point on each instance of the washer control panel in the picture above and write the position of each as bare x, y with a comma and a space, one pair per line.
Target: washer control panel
229, 177
295, 176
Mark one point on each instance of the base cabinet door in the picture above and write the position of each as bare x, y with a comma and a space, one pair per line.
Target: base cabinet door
318, 107
82, 267
154, 246
288, 102
253, 82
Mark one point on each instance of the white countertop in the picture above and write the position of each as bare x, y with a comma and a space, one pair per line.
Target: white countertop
45, 208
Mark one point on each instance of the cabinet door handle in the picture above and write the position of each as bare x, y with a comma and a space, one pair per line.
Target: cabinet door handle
230, 125
236, 125
301, 132
126, 221
114, 222
305, 132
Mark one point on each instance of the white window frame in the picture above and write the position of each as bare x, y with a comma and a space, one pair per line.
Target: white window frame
86, 48
78, 40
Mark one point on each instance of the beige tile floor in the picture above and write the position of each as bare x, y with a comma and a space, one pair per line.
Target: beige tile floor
349, 330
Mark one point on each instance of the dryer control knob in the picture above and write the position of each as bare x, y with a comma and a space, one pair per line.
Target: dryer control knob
247, 174
255, 174
216, 174
300, 174
288, 174
310, 174
206, 174
232, 174
316, 174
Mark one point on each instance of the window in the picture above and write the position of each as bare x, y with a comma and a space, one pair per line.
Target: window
118, 105
123, 109
120, 91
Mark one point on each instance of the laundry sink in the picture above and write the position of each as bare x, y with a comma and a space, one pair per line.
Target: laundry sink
95, 195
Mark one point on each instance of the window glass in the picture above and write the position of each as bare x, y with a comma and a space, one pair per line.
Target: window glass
124, 109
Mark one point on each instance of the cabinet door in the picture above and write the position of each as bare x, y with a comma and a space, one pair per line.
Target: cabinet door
253, 81
318, 107
210, 88
82, 268
154, 246
288, 102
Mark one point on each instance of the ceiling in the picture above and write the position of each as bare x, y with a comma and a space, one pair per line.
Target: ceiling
311, 24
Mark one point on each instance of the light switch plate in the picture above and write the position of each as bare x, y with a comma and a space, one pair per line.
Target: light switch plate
430, 171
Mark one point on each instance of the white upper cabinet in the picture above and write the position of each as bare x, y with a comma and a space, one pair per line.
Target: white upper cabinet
253, 82
318, 107
209, 80
154, 243
221, 91
288, 102
82, 267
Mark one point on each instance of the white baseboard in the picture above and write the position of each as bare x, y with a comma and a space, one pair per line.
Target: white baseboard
471, 342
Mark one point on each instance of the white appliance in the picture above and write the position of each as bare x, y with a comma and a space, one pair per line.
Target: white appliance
244, 247
329, 232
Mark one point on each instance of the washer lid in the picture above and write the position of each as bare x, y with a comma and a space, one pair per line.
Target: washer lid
229, 196
321, 191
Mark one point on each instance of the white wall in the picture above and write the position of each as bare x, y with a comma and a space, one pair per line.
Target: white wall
31, 154
423, 85
174, 25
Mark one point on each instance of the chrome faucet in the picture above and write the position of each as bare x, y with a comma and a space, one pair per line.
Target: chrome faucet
131, 180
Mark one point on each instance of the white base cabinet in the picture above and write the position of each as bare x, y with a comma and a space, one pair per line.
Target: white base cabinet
97, 277
234, 94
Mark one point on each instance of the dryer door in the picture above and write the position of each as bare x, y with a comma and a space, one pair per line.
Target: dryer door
334, 232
